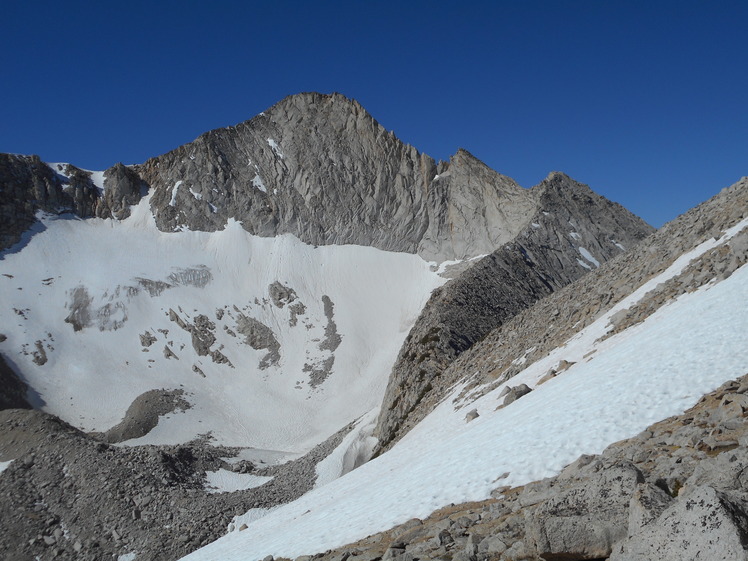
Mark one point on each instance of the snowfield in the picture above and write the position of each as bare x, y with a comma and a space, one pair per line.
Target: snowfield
655, 369
337, 328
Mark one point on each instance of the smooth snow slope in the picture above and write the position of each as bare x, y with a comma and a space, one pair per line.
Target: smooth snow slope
650, 371
126, 277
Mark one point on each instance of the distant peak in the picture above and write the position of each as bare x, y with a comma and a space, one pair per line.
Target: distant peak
560, 180
464, 155
317, 100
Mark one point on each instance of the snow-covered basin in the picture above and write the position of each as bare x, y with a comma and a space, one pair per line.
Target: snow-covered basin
651, 371
91, 376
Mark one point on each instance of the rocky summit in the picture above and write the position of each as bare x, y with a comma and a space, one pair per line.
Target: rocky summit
300, 338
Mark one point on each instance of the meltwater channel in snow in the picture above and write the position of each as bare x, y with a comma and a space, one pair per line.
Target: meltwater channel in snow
651, 371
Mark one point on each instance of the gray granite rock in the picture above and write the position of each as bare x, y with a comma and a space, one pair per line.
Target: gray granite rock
321, 168
706, 524
584, 522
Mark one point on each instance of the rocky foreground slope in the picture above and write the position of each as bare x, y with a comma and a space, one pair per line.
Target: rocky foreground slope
68, 495
675, 492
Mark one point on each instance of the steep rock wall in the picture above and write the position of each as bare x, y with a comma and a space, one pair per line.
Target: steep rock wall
321, 168
573, 231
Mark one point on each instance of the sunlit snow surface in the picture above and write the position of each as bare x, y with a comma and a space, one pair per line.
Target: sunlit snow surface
651, 371
91, 376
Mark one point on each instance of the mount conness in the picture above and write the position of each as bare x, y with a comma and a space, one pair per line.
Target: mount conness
296, 309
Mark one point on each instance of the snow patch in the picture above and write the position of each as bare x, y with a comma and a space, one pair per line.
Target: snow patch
97, 178
575, 235
225, 481
5, 465
174, 191
353, 451
588, 256
198, 196
274, 145
257, 182
583, 264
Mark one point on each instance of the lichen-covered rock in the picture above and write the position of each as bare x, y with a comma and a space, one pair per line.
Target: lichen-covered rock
584, 522
706, 524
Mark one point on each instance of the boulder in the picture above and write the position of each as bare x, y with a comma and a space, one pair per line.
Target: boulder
515, 393
584, 521
705, 524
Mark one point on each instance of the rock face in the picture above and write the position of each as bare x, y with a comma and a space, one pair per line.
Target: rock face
315, 166
123, 187
321, 168
28, 185
12, 390
573, 231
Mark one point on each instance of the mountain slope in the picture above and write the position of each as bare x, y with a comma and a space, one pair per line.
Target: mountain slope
276, 344
573, 231
621, 381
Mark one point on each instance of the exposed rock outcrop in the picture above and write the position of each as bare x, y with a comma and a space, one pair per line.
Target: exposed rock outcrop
259, 336
12, 389
28, 185
122, 188
143, 414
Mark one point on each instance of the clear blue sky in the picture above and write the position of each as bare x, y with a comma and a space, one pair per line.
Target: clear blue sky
645, 101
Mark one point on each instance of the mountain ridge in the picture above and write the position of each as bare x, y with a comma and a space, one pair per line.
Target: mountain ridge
314, 165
